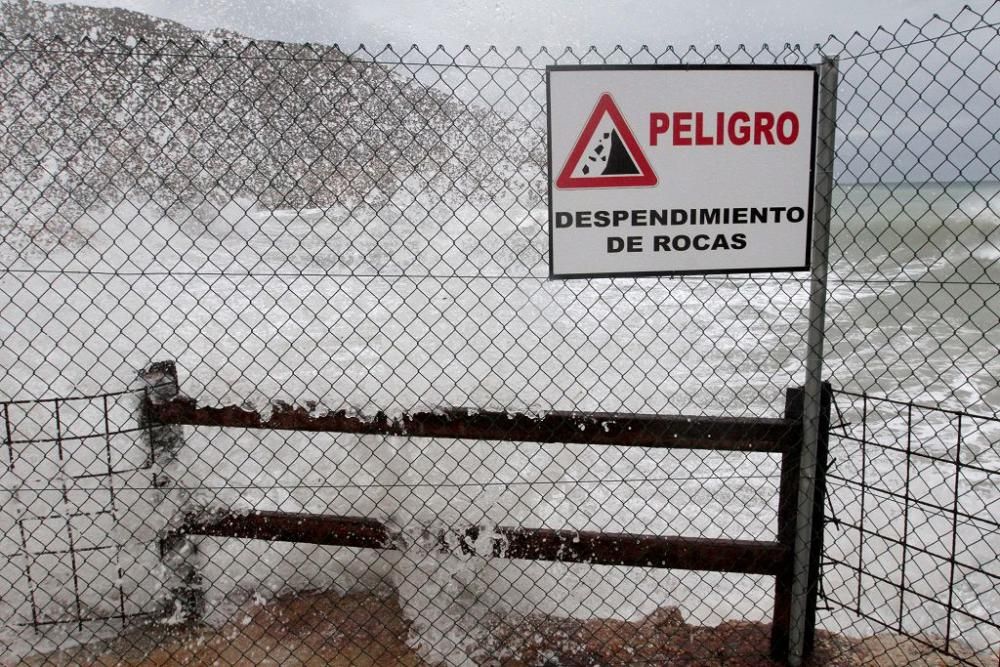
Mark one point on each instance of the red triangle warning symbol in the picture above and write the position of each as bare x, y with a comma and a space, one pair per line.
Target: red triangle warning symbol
606, 155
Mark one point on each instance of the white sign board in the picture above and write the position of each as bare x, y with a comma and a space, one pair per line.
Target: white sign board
657, 170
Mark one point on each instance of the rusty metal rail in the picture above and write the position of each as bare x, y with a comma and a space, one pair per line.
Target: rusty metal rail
629, 430
595, 548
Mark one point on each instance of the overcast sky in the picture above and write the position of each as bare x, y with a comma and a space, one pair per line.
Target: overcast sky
553, 23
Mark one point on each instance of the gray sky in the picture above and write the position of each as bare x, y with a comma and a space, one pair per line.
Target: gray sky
554, 23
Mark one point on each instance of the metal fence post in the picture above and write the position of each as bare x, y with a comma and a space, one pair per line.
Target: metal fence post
812, 404
819, 496
177, 552
787, 507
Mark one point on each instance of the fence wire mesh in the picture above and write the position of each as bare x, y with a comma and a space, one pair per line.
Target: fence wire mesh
912, 528
367, 231
75, 548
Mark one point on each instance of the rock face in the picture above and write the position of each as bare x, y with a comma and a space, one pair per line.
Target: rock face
20, 18
101, 104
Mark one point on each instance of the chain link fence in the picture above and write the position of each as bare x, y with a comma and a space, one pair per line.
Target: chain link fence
365, 233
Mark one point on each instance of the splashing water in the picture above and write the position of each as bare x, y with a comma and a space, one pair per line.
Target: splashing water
444, 593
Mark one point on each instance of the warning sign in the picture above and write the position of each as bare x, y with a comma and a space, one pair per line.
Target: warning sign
658, 170
606, 154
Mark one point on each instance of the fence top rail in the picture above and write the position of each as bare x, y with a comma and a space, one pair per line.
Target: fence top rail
633, 430
85, 397
919, 406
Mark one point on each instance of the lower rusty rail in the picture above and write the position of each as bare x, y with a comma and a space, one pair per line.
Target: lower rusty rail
595, 548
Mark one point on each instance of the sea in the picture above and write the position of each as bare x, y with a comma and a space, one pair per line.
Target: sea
423, 304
